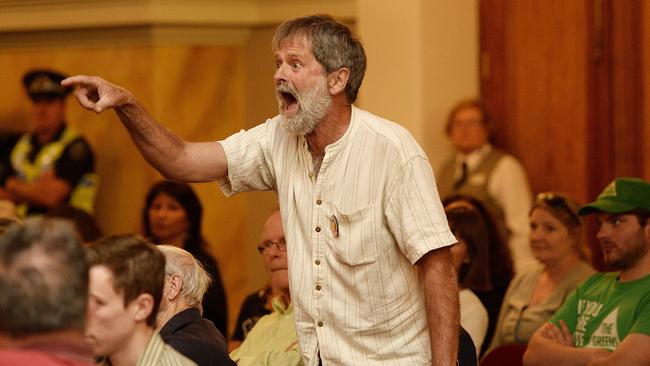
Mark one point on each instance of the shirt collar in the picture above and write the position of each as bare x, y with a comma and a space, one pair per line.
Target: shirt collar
279, 306
474, 158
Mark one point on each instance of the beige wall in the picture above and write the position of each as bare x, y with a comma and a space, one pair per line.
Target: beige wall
210, 80
422, 58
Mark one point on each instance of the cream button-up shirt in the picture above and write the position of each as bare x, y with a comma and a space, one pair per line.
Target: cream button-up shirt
353, 235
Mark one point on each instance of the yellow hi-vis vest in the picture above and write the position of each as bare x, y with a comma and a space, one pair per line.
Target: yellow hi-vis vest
82, 196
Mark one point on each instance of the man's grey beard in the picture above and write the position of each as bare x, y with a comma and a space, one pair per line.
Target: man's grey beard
312, 107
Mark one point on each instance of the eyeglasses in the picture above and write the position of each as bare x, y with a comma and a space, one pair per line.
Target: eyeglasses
558, 203
279, 244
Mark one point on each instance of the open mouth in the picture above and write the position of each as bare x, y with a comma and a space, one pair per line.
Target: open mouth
288, 100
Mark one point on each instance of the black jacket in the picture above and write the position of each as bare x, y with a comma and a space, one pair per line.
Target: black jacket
197, 338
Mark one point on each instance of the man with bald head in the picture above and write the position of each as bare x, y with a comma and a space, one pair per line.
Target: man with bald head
272, 341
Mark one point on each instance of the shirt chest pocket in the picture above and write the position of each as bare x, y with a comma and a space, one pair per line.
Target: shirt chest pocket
358, 231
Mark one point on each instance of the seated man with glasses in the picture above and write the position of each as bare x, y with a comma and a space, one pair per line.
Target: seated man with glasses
273, 340
606, 320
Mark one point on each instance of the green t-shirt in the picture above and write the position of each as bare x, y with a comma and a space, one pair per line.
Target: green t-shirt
601, 312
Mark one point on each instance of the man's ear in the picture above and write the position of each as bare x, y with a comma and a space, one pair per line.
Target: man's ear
142, 306
337, 80
174, 286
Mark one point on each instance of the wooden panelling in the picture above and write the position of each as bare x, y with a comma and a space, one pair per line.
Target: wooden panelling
536, 84
644, 132
570, 91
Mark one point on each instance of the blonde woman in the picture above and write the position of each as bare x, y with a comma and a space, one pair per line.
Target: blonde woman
535, 294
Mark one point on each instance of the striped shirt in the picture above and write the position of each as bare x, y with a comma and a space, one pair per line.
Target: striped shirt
353, 235
157, 353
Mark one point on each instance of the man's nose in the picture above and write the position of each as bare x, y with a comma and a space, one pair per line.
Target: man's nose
279, 75
603, 232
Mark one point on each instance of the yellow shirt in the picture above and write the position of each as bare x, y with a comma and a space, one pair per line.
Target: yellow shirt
272, 341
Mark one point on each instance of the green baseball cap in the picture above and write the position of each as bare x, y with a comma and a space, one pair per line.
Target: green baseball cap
621, 195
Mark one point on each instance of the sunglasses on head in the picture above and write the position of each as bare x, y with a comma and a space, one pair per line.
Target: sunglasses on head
558, 202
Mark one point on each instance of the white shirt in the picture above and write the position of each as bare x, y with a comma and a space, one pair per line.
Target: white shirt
508, 186
473, 317
353, 235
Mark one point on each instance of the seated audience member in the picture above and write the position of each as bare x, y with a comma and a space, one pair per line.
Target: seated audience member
273, 340
255, 306
606, 320
180, 320
500, 262
127, 277
82, 220
481, 170
43, 295
470, 257
534, 295
172, 215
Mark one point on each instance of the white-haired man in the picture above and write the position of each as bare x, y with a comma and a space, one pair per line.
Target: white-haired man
180, 318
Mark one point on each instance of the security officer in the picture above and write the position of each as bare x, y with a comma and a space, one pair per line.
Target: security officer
52, 165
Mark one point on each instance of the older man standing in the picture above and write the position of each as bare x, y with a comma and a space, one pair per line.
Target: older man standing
357, 195
180, 321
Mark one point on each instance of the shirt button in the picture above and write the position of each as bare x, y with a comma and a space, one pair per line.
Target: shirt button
318, 229
317, 287
318, 202
311, 174
317, 261
320, 324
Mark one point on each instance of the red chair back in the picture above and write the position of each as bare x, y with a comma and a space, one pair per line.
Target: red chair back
510, 355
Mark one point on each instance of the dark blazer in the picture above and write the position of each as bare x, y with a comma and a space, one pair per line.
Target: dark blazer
197, 338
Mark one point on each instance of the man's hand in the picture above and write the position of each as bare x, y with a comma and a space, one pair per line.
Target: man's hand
560, 335
97, 94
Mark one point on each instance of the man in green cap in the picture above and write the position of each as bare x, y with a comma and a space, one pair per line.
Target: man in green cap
53, 164
606, 320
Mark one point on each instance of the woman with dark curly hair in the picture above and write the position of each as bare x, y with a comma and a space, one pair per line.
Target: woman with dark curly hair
172, 215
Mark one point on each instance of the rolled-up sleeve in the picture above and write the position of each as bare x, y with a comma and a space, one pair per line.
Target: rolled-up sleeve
250, 165
414, 212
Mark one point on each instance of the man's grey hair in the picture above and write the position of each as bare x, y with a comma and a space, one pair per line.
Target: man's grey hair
333, 45
43, 278
195, 279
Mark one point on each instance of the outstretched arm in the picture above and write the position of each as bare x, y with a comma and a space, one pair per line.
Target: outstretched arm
164, 150
441, 300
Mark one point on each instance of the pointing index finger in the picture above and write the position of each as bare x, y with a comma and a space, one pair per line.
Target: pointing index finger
78, 80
